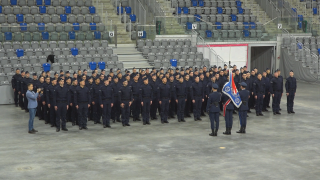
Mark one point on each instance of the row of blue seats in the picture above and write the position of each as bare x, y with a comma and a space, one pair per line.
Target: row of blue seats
185, 10
246, 25
246, 33
45, 35
42, 27
92, 66
37, 2
68, 10
201, 3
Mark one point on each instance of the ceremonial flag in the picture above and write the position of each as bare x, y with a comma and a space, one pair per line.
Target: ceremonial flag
231, 91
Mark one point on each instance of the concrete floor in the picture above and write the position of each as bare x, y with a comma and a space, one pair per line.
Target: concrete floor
275, 147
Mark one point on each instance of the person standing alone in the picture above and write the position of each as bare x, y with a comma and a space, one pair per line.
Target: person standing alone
32, 106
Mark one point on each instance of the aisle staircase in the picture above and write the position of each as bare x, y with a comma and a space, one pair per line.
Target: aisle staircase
104, 6
130, 56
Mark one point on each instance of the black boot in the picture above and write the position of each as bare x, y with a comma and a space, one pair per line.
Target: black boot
216, 132
226, 132
241, 130
212, 134
230, 131
244, 130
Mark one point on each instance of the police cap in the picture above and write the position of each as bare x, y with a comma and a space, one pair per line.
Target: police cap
243, 84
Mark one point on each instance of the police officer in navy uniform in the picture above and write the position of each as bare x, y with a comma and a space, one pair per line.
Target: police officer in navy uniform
259, 88
106, 99
164, 94
95, 91
243, 109
82, 98
281, 79
40, 84
228, 114
291, 87
125, 98
181, 98
49, 99
197, 96
213, 109
61, 100
266, 98
188, 83
276, 89
116, 111
46, 109
14, 83
136, 104
172, 105
146, 96
74, 112
154, 106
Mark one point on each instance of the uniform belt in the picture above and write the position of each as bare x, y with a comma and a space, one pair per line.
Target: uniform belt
106, 99
61, 101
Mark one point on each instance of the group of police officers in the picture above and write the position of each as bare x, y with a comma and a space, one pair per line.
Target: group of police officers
78, 97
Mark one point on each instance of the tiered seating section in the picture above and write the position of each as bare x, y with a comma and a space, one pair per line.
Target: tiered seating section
160, 52
35, 54
35, 20
229, 19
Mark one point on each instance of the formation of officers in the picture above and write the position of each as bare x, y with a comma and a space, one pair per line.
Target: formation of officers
78, 98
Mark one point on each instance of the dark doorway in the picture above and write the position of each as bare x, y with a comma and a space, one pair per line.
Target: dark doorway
261, 57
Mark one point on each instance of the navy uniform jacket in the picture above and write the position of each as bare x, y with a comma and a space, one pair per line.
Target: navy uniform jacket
116, 87
237, 80
269, 76
82, 95
24, 84
106, 93
244, 96
213, 104
221, 81
181, 90
45, 88
125, 93
37, 84
61, 94
145, 92
154, 87
94, 90
18, 85
50, 93
164, 91
267, 83
72, 91
172, 87
225, 98
250, 84
188, 86
291, 85
197, 90
247, 82
15, 81
135, 88
208, 89
259, 87
276, 85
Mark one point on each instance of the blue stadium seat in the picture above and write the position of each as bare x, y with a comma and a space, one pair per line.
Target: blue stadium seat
13, 2
315, 11
233, 17
245, 25
239, 3
208, 33
240, 10
72, 36
252, 25
46, 67
194, 3
201, 3
63, 18
128, 10
20, 52
45, 36
300, 18
39, 2
319, 50
102, 65
121, 10
42, 9
220, 10
92, 10
246, 33
0, 9
93, 26
219, 25
67, 9
19, 18
47, 2
76, 26
197, 17
189, 25
41, 26
97, 35
133, 18
23, 27
8, 36
185, 10
74, 51
299, 25
179, 10
93, 65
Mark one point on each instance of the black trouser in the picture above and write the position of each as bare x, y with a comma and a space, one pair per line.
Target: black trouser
136, 107
266, 101
125, 112
16, 97
290, 99
251, 100
46, 114
172, 106
188, 105
61, 113
228, 118
68, 118
52, 114
96, 110
74, 114
181, 107
276, 101
259, 102
40, 108
25, 102
154, 107
146, 110
106, 112
21, 104
115, 111
83, 114
243, 118
214, 120
197, 107
204, 105
164, 109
